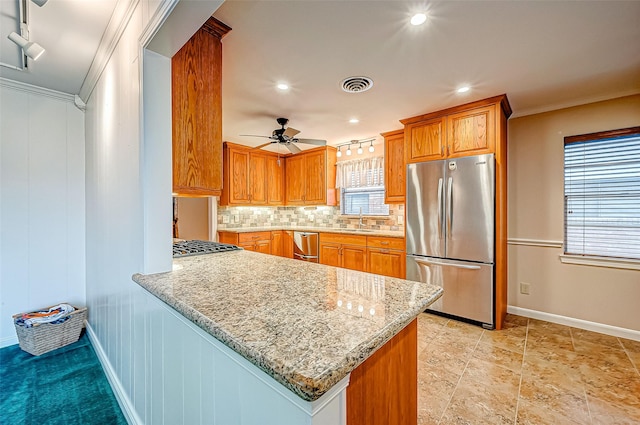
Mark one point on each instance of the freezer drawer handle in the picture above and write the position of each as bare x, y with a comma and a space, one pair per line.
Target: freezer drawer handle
438, 263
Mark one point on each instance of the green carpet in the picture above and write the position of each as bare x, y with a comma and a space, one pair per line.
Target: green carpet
64, 386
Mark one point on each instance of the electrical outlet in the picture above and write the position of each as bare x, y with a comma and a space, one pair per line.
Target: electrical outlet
311, 217
400, 219
236, 218
524, 288
225, 219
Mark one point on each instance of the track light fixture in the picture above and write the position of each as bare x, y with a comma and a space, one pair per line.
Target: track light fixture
356, 142
31, 49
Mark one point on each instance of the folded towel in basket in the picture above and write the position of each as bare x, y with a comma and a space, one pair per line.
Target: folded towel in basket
56, 314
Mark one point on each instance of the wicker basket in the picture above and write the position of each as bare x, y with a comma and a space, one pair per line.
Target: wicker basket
44, 337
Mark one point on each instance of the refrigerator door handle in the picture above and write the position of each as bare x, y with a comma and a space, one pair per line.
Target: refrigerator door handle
450, 206
440, 206
438, 263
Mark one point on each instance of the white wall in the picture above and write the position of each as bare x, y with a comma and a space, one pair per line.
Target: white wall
42, 213
128, 182
602, 295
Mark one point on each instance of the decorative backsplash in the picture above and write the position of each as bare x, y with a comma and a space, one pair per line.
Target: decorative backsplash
245, 217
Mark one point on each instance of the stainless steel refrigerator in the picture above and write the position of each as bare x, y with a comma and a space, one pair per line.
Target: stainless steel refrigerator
450, 209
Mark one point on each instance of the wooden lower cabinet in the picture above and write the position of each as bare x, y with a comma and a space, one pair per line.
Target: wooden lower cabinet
386, 262
384, 389
348, 251
276, 242
287, 243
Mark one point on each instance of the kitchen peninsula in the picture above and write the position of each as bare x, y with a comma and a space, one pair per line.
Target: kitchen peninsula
298, 343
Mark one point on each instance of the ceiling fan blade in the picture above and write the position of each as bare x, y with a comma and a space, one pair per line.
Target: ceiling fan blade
290, 132
263, 145
253, 135
317, 142
293, 148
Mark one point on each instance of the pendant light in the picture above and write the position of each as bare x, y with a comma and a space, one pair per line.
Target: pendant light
338, 154
348, 150
360, 149
371, 148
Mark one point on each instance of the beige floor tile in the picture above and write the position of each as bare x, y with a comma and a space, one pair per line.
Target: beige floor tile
544, 395
552, 328
506, 339
511, 360
581, 335
558, 371
435, 388
494, 378
477, 404
533, 413
630, 345
463, 330
516, 320
603, 412
616, 385
437, 355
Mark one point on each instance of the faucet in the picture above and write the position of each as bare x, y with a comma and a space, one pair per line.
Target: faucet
360, 224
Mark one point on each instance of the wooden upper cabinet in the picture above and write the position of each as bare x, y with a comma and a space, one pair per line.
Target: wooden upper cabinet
425, 140
311, 177
251, 177
471, 132
196, 105
394, 167
295, 178
275, 180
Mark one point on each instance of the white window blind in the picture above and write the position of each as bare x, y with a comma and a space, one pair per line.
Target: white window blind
602, 194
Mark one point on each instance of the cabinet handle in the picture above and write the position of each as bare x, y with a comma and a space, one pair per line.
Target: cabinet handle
442, 150
384, 243
384, 251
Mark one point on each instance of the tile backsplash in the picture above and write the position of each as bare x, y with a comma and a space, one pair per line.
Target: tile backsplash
246, 217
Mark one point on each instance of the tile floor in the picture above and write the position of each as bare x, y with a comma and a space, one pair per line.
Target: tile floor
531, 372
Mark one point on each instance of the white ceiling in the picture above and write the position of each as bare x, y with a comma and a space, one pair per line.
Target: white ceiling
70, 32
542, 54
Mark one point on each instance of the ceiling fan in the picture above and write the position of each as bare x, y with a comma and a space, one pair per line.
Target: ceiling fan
286, 137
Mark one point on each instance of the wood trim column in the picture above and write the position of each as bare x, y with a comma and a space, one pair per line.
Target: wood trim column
384, 389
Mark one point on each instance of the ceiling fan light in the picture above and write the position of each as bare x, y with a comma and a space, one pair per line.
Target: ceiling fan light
31, 49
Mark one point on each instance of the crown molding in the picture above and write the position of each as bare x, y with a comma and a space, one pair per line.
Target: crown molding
573, 103
115, 28
41, 91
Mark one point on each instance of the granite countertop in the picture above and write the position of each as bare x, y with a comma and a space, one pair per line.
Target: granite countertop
305, 324
365, 232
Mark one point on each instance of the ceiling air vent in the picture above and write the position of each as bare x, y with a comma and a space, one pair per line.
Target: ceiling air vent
356, 84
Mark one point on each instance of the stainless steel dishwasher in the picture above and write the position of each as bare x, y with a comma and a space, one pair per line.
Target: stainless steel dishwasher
305, 246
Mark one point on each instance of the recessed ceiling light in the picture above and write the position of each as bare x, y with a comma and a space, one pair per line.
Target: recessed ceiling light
354, 120
283, 86
464, 89
418, 19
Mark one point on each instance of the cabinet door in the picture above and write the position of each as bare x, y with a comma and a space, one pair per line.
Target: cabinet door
263, 246
276, 243
196, 114
386, 262
471, 132
249, 246
238, 177
354, 257
295, 178
315, 178
287, 244
275, 180
257, 179
394, 168
330, 254
425, 141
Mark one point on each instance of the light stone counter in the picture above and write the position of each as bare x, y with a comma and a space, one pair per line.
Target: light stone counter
307, 325
365, 232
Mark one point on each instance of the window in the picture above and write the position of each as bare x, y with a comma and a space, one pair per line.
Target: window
361, 184
602, 194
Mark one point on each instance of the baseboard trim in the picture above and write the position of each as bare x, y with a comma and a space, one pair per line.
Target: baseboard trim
576, 323
7, 341
126, 406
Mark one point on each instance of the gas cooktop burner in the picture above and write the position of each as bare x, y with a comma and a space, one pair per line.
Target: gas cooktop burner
187, 248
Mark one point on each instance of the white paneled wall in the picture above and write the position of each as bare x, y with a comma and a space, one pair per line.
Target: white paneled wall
42, 202
194, 379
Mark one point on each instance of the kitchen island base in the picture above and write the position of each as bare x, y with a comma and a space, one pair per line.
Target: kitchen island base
195, 378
